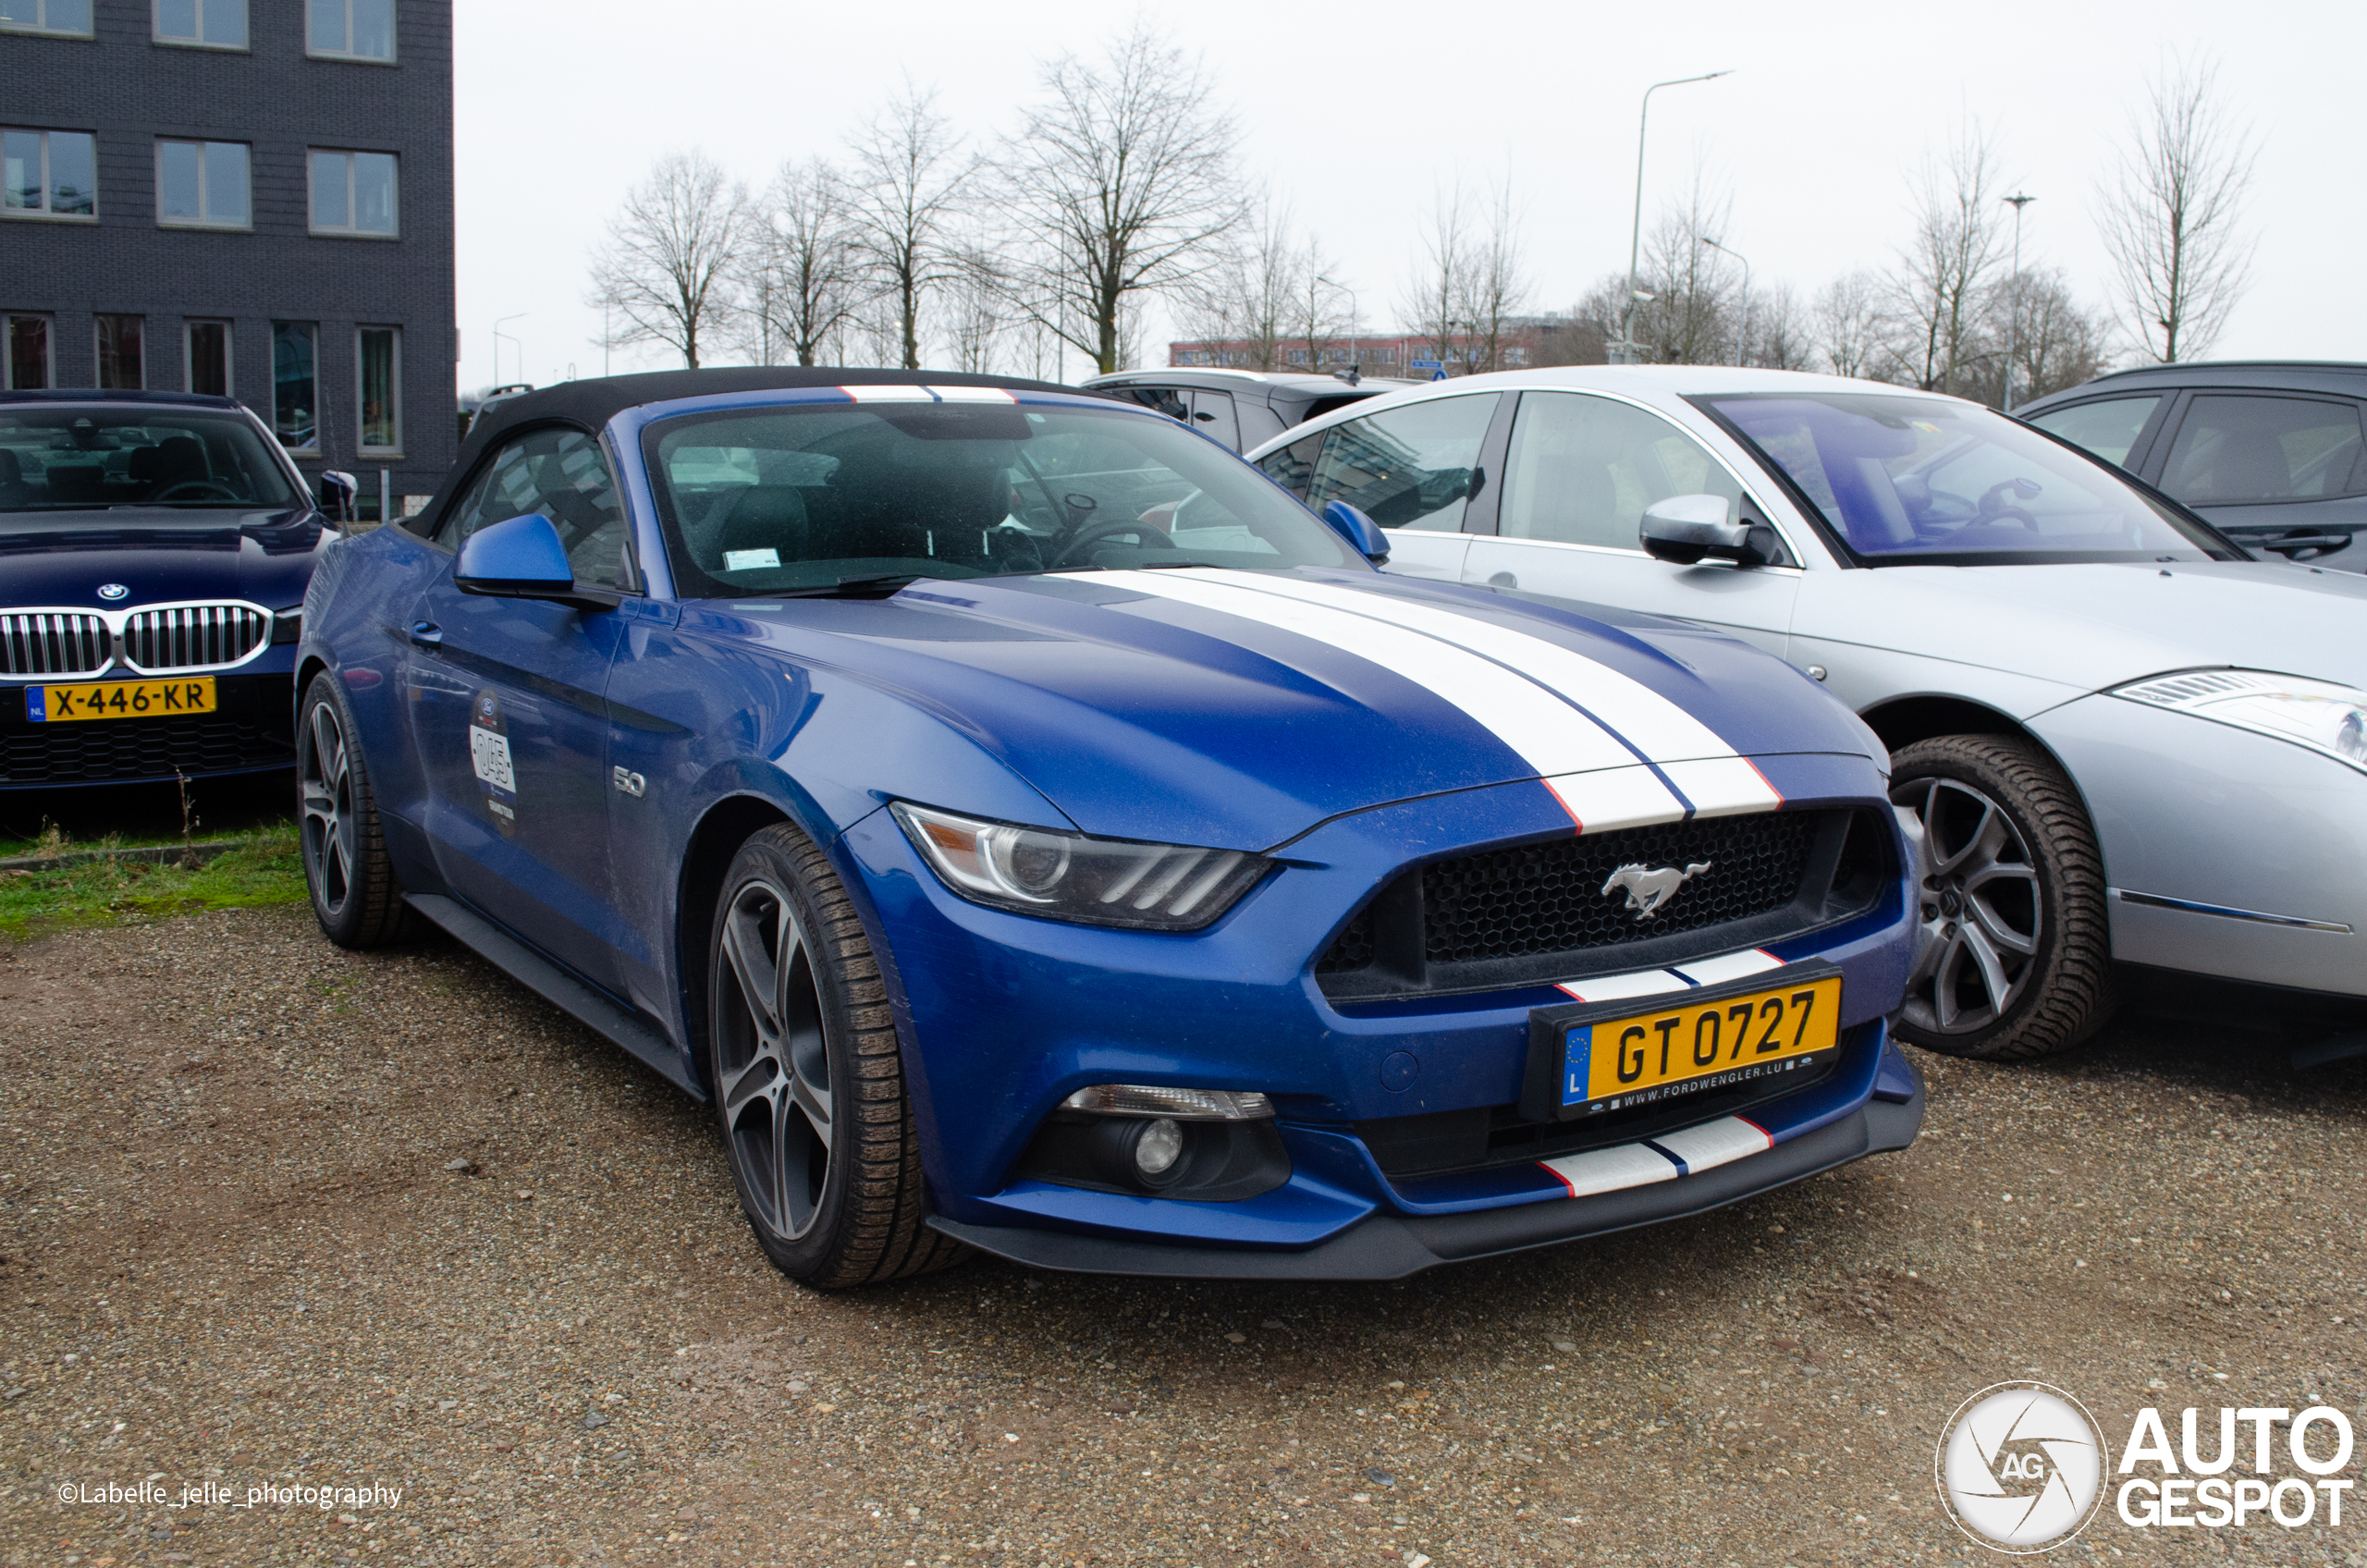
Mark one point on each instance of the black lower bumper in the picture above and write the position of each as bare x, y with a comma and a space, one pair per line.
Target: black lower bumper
1389, 1246
251, 730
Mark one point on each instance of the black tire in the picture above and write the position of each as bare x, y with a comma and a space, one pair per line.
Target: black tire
2005, 856
355, 895
813, 1076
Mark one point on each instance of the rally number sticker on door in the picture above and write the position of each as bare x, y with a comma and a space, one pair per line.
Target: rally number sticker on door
489, 758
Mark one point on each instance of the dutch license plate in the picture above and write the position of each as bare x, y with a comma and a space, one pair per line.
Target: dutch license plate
119, 699
1613, 1056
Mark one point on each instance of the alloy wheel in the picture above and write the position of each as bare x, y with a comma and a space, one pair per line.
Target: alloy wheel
772, 1062
324, 791
1981, 907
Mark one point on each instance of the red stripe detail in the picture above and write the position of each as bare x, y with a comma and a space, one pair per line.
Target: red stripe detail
1564, 804
1762, 778
1757, 1129
1571, 993
1567, 1190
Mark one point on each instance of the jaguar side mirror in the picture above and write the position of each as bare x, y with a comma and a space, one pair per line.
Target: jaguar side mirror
1686, 528
340, 496
1358, 530
523, 560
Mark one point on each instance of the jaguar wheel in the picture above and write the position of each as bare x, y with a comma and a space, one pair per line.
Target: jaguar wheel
2014, 957
808, 1077
355, 895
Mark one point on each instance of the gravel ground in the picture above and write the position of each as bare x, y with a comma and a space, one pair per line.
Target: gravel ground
242, 1249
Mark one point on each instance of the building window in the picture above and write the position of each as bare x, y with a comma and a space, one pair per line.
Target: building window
354, 193
71, 17
209, 358
379, 355
349, 29
27, 366
119, 368
201, 24
52, 174
203, 185
295, 387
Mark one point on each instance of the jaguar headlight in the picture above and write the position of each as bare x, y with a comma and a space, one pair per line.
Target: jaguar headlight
1072, 876
2324, 717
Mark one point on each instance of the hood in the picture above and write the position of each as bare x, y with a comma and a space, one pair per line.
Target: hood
1241, 709
160, 555
2099, 625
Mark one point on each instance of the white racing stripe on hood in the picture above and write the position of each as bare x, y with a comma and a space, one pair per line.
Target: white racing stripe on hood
1539, 728
1708, 771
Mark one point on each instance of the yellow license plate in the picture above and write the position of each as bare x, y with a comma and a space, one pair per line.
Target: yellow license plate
119, 699
1608, 1064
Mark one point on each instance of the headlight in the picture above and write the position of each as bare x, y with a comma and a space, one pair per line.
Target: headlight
2317, 713
1071, 876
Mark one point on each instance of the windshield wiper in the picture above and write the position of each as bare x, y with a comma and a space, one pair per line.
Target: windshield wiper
877, 586
1162, 564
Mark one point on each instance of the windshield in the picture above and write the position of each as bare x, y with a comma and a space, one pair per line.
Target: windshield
806, 497
63, 457
1907, 480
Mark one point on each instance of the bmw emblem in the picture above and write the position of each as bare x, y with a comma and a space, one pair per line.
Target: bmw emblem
112, 591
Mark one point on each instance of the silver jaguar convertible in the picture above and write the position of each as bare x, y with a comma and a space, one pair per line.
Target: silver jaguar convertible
2123, 750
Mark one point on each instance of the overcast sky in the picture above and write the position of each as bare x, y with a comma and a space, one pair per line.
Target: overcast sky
1354, 113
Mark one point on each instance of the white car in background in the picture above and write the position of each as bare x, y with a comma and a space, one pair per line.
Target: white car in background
2124, 752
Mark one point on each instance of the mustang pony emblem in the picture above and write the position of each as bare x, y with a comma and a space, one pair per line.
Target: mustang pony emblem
1649, 888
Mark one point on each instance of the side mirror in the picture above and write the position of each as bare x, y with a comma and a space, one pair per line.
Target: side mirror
1686, 528
1358, 530
340, 496
523, 560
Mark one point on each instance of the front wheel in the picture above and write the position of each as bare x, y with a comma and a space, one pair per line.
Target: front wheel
355, 895
2014, 955
808, 1079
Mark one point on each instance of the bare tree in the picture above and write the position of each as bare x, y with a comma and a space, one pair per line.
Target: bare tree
1938, 292
1689, 319
978, 308
2171, 219
1320, 308
2057, 341
667, 263
1781, 338
911, 186
1433, 303
1493, 287
1250, 297
799, 277
1122, 184
1846, 326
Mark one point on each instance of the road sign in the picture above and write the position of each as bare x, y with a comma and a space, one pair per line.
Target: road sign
1425, 364
1438, 374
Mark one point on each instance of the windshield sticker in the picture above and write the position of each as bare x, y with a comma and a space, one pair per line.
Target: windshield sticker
489, 758
749, 560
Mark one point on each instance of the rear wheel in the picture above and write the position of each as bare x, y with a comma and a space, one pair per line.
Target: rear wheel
2014, 956
808, 1078
355, 895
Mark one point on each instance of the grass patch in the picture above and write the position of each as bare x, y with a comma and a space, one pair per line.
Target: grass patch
266, 869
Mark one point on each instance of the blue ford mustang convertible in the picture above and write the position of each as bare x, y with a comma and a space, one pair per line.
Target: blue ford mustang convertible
1033, 830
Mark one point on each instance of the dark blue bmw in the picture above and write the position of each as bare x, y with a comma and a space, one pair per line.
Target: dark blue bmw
154, 549
1032, 830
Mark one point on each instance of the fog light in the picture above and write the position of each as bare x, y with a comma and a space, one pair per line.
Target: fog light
1158, 1148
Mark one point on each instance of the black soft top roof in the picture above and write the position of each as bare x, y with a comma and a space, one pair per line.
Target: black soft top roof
590, 404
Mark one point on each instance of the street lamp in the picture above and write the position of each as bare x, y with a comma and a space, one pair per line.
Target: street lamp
1742, 347
2014, 315
1329, 283
1623, 351
497, 335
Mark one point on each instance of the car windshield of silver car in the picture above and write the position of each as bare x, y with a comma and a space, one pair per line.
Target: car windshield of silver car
1912, 480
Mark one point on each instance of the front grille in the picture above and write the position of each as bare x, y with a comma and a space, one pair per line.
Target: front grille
1550, 898
193, 636
53, 642
1540, 911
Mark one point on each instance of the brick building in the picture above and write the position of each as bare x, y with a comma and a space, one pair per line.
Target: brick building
247, 197
1525, 341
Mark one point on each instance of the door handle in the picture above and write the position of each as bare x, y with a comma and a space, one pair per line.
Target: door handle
426, 634
1503, 579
